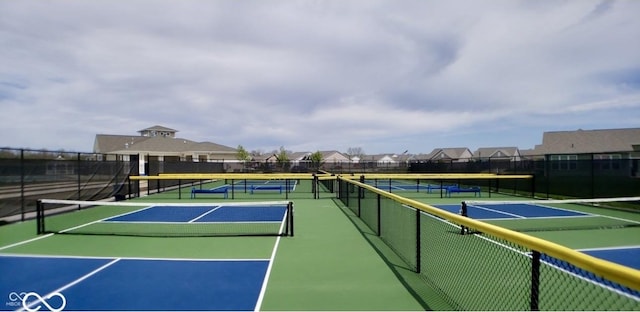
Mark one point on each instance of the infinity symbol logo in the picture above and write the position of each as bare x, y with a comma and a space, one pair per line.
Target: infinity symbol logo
28, 307
14, 296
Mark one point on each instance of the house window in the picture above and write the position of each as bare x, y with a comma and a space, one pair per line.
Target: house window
564, 162
607, 161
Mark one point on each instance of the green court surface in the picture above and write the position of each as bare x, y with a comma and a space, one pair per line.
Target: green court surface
328, 265
334, 261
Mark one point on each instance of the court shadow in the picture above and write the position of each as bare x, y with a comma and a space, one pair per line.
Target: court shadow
428, 297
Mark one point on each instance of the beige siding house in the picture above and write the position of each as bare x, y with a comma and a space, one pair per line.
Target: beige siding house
624, 142
456, 154
616, 151
161, 144
497, 153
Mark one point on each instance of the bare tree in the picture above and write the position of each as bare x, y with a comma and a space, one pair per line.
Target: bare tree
355, 152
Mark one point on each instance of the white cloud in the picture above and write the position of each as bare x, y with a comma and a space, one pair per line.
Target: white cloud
316, 74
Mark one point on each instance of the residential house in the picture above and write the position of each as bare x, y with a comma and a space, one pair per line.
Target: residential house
334, 157
496, 159
456, 154
384, 160
497, 153
160, 144
613, 150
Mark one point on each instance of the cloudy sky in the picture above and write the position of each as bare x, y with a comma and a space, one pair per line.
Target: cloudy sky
385, 76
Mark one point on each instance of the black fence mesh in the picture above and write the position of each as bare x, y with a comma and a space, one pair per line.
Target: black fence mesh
27, 175
482, 271
586, 176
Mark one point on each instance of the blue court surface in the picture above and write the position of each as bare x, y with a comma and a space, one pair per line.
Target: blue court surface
626, 256
402, 187
265, 185
89, 284
209, 214
511, 211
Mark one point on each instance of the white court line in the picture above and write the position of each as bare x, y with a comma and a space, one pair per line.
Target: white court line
26, 241
67, 286
66, 230
610, 248
271, 260
105, 219
204, 214
130, 258
536, 218
498, 211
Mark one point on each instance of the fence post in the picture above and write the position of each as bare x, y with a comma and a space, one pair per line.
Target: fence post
79, 176
379, 214
535, 280
22, 170
418, 240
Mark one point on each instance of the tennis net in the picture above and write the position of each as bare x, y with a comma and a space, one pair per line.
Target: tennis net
559, 215
165, 219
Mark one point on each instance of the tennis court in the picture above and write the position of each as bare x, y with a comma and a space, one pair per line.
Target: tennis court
550, 217
162, 252
202, 255
144, 283
92, 283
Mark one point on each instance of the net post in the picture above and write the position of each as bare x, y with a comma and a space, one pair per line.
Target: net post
286, 188
535, 280
39, 217
290, 217
314, 186
179, 188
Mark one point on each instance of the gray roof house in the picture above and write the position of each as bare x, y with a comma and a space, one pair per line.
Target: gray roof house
455, 154
625, 142
158, 141
334, 157
498, 153
614, 152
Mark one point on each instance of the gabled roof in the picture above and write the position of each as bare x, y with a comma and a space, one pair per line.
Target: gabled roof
449, 153
496, 152
589, 141
105, 143
377, 158
158, 128
127, 144
388, 157
333, 155
297, 156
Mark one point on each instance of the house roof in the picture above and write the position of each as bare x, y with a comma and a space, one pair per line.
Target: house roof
158, 128
296, 156
496, 152
105, 143
334, 154
589, 141
449, 153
